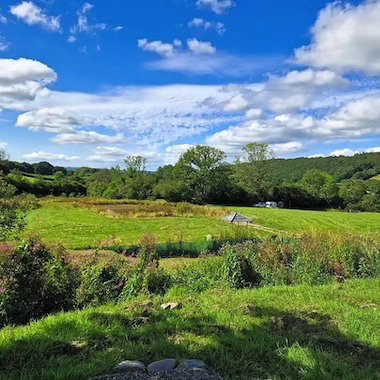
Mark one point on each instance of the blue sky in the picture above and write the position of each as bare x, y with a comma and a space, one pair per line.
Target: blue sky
87, 83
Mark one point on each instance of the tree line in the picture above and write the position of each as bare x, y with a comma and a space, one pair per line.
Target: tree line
203, 175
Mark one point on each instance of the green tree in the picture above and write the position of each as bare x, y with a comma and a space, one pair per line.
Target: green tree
203, 170
321, 185
252, 169
135, 165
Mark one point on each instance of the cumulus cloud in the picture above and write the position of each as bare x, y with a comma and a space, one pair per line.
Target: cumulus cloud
53, 119
88, 137
3, 144
162, 48
198, 22
45, 156
32, 14
280, 94
83, 25
200, 47
289, 147
351, 152
345, 38
217, 6
21, 80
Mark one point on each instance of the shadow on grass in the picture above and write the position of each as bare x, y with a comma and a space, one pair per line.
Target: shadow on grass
270, 344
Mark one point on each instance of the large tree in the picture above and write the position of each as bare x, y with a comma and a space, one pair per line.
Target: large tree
320, 185
135, 165
203, 170
252, 168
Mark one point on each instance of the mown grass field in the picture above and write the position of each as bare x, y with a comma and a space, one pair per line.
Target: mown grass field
303, 332
83, 228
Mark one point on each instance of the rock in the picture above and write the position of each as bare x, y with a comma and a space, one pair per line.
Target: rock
130, 366
171, 306
162, 365
192, 363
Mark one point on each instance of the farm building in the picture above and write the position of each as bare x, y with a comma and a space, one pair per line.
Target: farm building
236, 218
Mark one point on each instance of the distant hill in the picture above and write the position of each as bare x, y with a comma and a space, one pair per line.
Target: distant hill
360, 166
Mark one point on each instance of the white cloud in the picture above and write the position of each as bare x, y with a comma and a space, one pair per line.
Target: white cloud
108, 153
345, 38
253, 113
32, 14
3, 19
290, 147
198, 22
88, 137
3, 145
83, 25
312, 77
294, 91
236, 103
218, 64
22, 80
200, 47
159, 47
45, 156
71, 39
53, 119
351, 152
118, 28
217, 6
149, 116
173, 152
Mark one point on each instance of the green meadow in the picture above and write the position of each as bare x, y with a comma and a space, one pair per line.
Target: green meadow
84, 228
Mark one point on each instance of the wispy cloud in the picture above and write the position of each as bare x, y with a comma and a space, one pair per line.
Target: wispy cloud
32, 14
217, 6
198, 22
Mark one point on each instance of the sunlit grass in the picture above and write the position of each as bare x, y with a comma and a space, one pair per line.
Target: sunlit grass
324, 332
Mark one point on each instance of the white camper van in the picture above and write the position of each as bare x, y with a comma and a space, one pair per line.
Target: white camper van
271, 204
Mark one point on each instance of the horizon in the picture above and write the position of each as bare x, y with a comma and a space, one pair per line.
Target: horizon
86, 84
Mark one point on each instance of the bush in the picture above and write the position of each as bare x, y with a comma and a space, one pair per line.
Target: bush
35, 281
146, 276
102, 282
204, 274
237, 269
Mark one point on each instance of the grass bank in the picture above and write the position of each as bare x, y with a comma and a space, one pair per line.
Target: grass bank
302, 332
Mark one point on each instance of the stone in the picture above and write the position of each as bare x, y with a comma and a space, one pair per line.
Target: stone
162, 365
130, 366
171, 306
192, 363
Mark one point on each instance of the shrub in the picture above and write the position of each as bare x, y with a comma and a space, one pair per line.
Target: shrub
204, 274
102, 282
145, 270
237, 269
35, 281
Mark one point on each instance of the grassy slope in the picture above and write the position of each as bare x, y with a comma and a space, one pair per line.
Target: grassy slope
326, 332
83, 228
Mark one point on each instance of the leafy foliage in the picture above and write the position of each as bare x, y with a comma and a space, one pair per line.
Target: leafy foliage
35, 280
